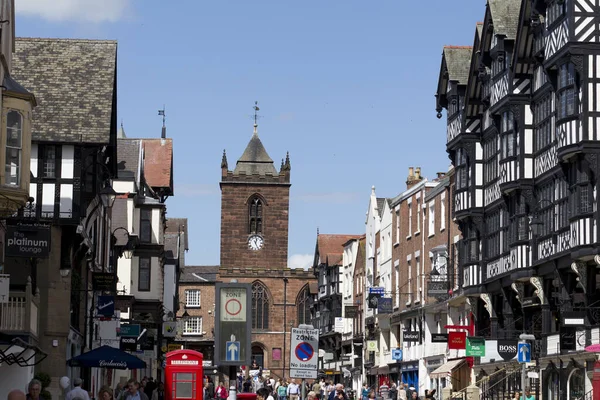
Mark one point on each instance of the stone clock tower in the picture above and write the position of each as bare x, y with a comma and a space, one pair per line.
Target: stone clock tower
255, 201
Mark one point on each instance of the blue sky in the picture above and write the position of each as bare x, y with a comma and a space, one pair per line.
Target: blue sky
345, 86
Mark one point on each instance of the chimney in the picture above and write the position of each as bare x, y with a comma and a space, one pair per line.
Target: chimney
441, 175
414, 177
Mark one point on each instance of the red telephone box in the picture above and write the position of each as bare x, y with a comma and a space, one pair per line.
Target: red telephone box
596, 380
184, 375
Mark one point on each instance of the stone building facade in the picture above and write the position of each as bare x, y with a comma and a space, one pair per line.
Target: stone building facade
254, 249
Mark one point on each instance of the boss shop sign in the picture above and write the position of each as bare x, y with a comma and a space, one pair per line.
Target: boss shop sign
27, 241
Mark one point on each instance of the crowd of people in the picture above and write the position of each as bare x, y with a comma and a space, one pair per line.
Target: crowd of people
389, 391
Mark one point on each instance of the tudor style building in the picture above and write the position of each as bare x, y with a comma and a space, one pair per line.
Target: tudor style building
254, 249
523, 132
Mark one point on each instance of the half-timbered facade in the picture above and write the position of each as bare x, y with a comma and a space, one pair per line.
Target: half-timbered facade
526, 132
73, 157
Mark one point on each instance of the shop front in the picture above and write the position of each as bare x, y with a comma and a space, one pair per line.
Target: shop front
395, 373
410, 373
435, 381
383, 375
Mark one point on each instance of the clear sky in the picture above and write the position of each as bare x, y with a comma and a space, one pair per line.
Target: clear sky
346, 86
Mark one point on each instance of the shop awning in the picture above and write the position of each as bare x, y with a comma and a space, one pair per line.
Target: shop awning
444, 370
107, 357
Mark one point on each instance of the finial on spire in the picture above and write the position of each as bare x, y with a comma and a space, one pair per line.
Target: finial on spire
256, 109
282, 165
224, 160
163, 113
288, 166
317, 231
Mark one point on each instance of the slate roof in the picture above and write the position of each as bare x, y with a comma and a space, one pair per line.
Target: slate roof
176, 225
458, 62
158, 162
255, 160
128, 158
505, 16
199, 274
16, 88
170, 245
331, 247
380, 204
73, 81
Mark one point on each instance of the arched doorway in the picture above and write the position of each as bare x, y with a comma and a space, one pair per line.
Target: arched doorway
258, 356
577, 384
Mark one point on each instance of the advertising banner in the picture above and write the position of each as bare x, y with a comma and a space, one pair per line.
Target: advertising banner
475, 347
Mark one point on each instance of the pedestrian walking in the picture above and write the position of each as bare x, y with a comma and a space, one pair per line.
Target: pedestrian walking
34, 389
78, 391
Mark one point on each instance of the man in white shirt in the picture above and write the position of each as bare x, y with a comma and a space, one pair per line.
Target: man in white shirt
293, 390
77, 391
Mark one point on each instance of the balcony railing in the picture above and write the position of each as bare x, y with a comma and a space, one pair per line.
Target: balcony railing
19, 315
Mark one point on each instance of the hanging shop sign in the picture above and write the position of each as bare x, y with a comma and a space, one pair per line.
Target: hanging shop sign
371, 345
439, 338
27, 240
384, 305
104, 281
567, 338
475, 346
411, 336
457, 340
106, 306
507, 349
438, 289
531, 301
351, 311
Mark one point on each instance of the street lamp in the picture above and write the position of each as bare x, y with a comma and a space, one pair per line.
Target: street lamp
108, 196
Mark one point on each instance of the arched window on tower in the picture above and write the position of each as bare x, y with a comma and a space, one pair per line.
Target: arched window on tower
260, 306
303, 306
255, 221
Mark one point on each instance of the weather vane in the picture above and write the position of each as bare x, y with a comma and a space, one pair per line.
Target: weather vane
256, 116
163, 114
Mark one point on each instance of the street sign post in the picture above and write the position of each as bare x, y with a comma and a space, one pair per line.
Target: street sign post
397, 354
524, 352
304, 353
233, 324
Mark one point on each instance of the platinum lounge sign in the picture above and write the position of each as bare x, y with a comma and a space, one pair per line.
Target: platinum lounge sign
27, 240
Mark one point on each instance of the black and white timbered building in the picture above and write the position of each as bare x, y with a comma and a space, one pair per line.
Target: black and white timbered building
73, 157
523, 132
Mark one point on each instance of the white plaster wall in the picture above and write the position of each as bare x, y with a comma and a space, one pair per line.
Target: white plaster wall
14, 377
124, 275
169, 290
156, 280
33, 163
124, 187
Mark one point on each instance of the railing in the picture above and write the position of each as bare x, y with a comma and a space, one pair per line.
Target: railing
20, 313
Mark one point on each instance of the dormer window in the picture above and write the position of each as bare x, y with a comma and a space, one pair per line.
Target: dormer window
255, 220
14, 147
565, 93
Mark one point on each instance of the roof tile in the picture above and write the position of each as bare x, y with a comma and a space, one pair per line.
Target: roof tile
330, 247
73, 81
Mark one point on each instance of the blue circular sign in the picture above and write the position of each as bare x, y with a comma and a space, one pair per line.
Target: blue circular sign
304, 351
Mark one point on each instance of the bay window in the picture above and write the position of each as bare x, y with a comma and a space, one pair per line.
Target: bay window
14, 148
565, 93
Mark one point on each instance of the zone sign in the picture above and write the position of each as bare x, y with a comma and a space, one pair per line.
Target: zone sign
233, 305
304, 353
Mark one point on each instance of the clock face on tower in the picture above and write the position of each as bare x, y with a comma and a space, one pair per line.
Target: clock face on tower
255, 242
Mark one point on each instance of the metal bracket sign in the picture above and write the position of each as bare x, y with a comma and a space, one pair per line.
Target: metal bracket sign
304, 353
233, 327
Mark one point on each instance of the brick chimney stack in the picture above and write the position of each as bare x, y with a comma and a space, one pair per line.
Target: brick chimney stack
414, 176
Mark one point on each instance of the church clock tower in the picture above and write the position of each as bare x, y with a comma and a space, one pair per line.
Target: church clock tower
255, 210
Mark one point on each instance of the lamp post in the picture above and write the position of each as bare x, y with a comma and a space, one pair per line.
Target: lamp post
285, 282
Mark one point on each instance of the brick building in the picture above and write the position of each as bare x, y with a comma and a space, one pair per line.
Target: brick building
254, 249
197, 309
